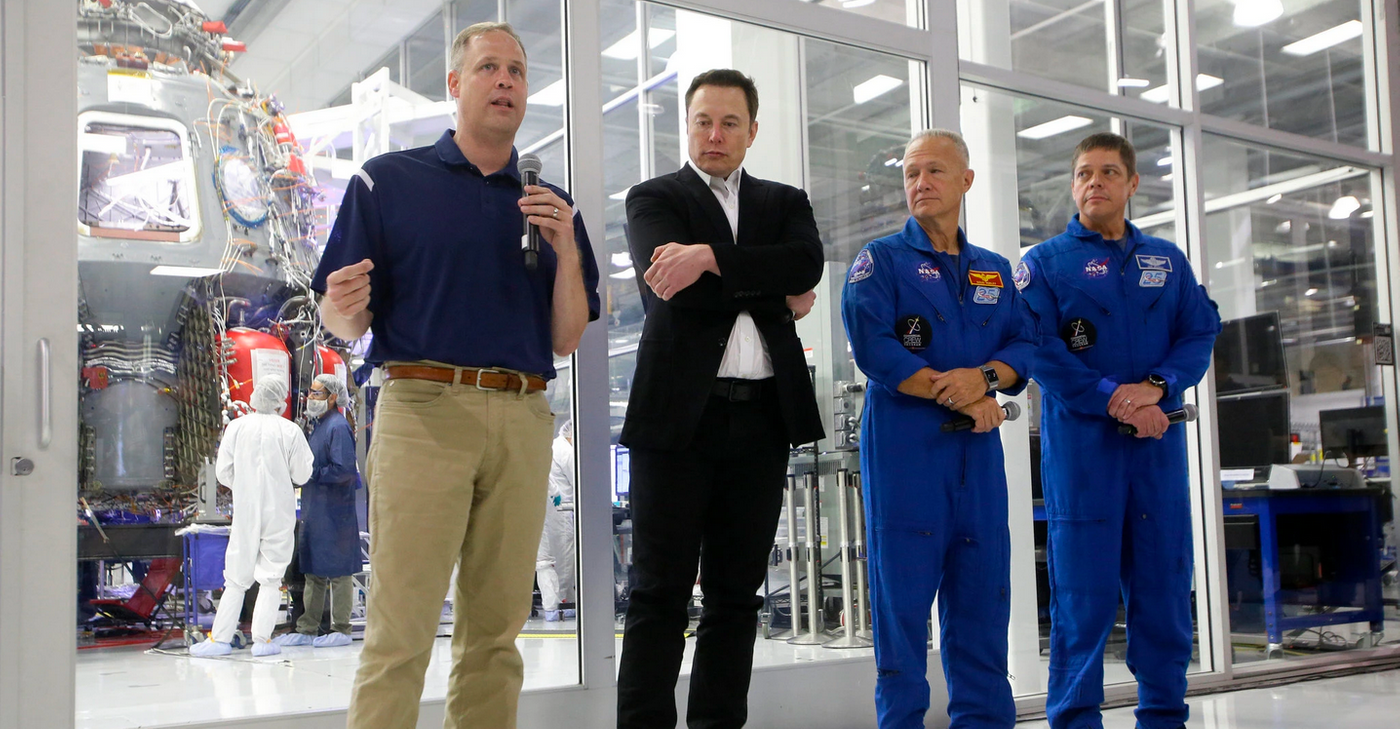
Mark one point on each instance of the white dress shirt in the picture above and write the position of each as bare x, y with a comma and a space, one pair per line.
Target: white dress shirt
746, 355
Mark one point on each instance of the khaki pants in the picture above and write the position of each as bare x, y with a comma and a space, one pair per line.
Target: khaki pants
457, 476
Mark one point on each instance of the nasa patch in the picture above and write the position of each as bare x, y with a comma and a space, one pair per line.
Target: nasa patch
1153, 279
913, 332
1079, 334
929, 272
1096, 268
1154, 263
862, 268
986, 295
1021, 276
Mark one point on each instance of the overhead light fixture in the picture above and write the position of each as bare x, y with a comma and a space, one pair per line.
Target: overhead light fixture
1064, 124
620, 195
1274, 199
622, 260
551, 95
185, 271
1159, 94
626, 49
873, 87
1168, 177
865, 188
1331, 244
1326, 39
1254, 13
624, 273
1310, 292
899, 163
1344, 207
890, 162
853, 4
1133, 83
1165, 161
1369, 214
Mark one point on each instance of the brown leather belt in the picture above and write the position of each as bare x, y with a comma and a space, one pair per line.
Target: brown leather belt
484, 379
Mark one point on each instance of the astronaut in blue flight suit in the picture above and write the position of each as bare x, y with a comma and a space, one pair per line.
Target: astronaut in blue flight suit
935, 324
1124, 330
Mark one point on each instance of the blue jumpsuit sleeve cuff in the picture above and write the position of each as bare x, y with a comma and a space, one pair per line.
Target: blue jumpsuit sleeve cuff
903, 371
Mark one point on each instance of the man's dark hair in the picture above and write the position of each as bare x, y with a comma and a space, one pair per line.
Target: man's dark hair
1111, 142
725, 78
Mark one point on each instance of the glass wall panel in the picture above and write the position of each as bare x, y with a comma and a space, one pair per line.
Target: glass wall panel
1295, 66
226, 191
830, 114
1022, 151
1117, 46
1291, 253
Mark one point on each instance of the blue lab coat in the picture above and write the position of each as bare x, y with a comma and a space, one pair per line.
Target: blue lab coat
330, 535
935, 502
1119, 507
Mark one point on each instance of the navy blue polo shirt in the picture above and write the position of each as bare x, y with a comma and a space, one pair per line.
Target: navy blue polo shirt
449, 283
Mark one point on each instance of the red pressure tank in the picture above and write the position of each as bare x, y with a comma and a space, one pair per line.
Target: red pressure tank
329, 362
251, 355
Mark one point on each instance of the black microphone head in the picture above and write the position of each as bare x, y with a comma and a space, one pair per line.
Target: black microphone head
1190, 411
529, 163
1013, 410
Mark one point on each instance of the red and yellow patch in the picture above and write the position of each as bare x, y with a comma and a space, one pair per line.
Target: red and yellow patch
985, 278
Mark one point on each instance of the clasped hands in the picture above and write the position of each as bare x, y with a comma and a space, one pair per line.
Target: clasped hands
1136, 405
963, 390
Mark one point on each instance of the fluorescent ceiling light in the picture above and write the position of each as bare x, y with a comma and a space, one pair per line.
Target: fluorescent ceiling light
551, 95
622, 260
185, 271
1055, 126
626, 49
1324, 40
1254, 13
1369, 214
620, 195
1274, 199
871, 88
1158, 94
1165, 161
890, 162
1344, 207
1310, 292
853, 4
1133, 83
624, 273
1168, 177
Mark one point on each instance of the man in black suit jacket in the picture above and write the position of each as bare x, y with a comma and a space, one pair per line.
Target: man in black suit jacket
721, 392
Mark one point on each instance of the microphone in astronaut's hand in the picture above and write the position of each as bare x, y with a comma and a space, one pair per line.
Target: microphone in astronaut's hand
963, 422
1186, 414
530, 166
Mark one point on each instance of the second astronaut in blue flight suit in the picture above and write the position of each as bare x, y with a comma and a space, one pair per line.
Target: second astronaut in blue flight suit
935, 324
1125, 330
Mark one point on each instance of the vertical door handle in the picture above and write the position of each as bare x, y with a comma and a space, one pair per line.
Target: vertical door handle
45, 394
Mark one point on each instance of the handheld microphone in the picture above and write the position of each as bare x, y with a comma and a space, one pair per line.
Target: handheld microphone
530, 166
963, 422
1186, 414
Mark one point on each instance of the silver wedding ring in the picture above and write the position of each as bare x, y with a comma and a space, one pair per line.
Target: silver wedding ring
1130, 402
556, 214
950, 401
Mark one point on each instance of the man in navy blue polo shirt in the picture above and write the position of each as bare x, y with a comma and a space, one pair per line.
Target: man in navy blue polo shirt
425, 253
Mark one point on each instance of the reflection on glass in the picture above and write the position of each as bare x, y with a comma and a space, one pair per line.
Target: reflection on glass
1296, 67
1291, 261
1118, 47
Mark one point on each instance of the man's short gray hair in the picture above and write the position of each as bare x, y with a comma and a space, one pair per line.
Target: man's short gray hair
464, 39
948, 134
336, 387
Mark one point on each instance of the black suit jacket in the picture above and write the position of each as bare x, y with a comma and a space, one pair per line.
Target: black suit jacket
778, 254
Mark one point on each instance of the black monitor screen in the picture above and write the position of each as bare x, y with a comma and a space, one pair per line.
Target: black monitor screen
1358, 432
1249, 355
1253, 430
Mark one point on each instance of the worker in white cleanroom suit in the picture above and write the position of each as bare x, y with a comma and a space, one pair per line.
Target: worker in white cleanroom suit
262, 458
554, 562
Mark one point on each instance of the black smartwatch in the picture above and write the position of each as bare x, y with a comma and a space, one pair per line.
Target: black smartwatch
993, 379
1158, 381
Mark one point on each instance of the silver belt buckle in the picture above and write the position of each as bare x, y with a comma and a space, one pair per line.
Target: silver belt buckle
492, 371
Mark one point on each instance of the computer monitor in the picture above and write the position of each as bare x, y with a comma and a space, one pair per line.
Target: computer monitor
1357, 432
1249, 355
1253, 429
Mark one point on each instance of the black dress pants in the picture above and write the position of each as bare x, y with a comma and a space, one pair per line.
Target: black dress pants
714, 504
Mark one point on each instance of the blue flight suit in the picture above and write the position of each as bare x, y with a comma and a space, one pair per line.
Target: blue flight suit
1119, 507
330, 536
935, 502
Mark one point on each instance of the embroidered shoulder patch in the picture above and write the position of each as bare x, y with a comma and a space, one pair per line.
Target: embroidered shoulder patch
862, 268
1021, 276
